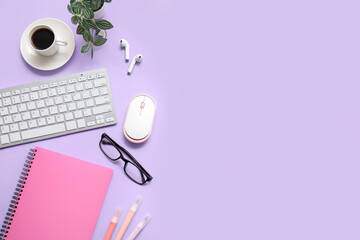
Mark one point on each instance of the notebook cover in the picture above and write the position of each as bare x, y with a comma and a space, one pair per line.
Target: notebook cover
61, 199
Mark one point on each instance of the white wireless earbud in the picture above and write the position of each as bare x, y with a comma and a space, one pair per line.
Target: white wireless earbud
125, 44
137, 59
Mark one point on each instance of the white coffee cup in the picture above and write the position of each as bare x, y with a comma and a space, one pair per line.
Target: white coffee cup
43, 40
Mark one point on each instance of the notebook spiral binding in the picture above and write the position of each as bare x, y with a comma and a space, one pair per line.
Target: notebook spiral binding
11, 212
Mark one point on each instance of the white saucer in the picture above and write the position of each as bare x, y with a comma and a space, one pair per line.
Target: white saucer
63, 32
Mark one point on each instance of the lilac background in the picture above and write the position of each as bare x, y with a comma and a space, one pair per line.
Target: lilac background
257, 131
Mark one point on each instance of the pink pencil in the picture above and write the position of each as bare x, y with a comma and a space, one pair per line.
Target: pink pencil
113, 223
128, 218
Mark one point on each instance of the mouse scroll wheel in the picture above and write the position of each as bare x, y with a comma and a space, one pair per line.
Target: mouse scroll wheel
142, 105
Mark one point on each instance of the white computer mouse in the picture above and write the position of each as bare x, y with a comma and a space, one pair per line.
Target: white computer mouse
139, 118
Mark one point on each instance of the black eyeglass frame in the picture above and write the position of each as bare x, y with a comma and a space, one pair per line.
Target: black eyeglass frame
133, 161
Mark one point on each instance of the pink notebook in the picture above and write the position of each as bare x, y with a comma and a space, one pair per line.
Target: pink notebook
58, 197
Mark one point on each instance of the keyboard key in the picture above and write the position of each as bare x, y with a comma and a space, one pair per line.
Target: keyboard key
4, 139
78, 114
14, 127
26, 116
54, 84
60, 118
36, 88
31, 105
17, 117
22, 107
71, 106
62, 83
40, 104
1, 121
44, 86
15, 92
35, 114
76, 96
81, 123
15, 99
91, 123
44, 112
4, 111
44, 94
50, 120
7, 119
34, 96
71, 125
59, 100
52, 92
5, 129
70, 88
110, 119
72, 80
32, 124
49, 102
102, 100
86, 94
41, 122
14, 137
61, 90
99, 75
100, 82
69, 116
43, 131
87, 112
7, 101
23, 125
6, 94
80, 104
67, 98
102, 109
95, 92
53, 110
90, 103
88, 85
62, 108
81, 79
79, 87
100, 121
93, 76
13, 109
25, 90
25, 98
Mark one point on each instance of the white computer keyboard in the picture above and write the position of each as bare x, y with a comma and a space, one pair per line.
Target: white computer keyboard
55, 107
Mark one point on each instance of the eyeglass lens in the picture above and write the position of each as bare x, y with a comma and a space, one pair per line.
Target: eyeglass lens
109, 149
134, 173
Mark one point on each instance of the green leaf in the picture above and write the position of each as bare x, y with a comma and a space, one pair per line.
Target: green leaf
76, 7
91, 24
95, 4
71, 1
87, 3
79, 30
104, 24
92, 52
88, 13
74, 20
85, 48
87, 35
70, 9
100, 41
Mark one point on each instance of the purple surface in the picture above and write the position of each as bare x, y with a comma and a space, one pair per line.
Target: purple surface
257, 129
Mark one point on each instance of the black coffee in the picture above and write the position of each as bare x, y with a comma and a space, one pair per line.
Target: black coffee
42, 38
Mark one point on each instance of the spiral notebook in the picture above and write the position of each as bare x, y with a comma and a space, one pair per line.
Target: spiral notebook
57, 197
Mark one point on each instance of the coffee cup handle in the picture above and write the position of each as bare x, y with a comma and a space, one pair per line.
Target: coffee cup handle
61, 43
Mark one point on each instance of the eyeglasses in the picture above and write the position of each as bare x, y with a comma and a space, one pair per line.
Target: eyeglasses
132, 168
